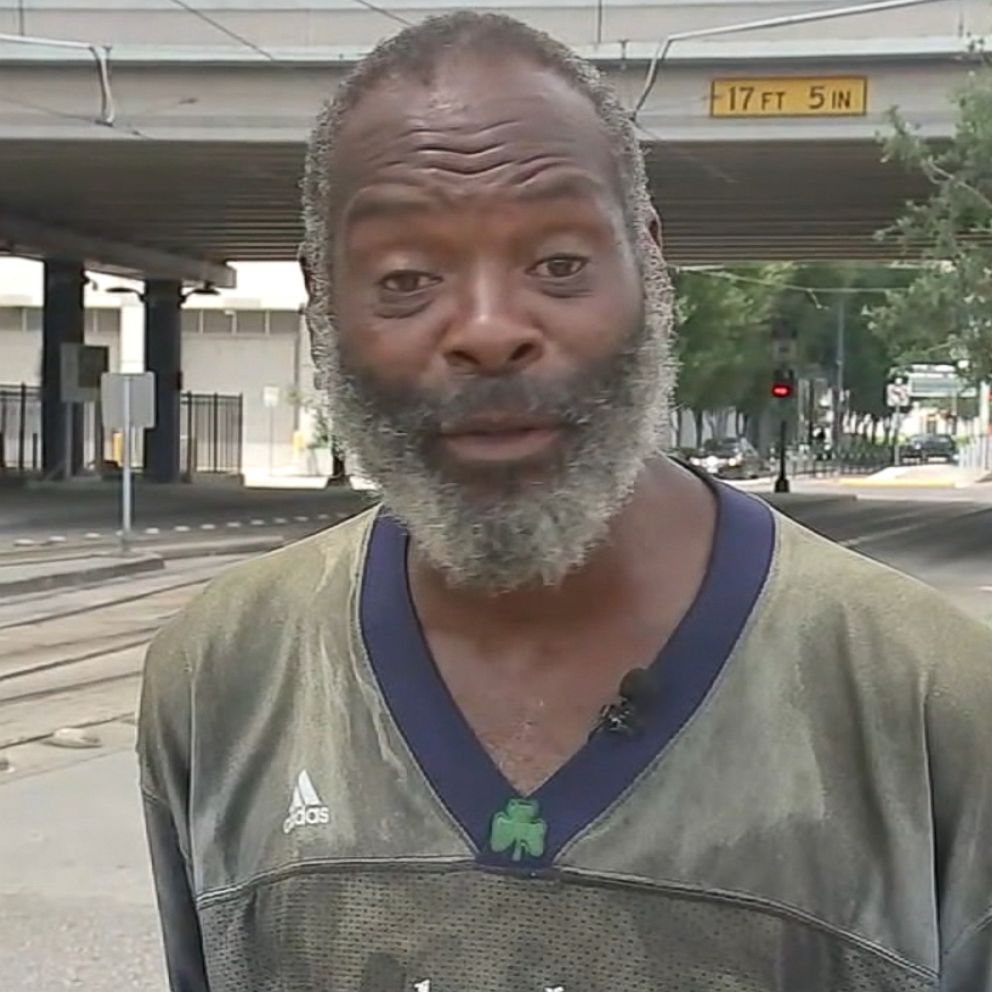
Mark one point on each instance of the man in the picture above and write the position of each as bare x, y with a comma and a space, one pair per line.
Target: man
409, 753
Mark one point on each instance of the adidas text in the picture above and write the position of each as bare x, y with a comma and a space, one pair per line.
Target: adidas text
306, 817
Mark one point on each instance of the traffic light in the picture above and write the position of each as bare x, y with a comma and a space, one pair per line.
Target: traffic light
783, 384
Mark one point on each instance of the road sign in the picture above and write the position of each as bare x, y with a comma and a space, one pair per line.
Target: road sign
897, 395
270, 396
128, 403
141, 400
82, 365
790, 96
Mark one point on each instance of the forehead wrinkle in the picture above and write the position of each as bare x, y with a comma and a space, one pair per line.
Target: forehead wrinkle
435, 135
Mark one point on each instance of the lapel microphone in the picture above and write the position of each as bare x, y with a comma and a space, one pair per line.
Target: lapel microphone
636, 693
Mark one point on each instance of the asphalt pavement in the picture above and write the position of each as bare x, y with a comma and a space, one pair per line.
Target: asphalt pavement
87, 514
76, 902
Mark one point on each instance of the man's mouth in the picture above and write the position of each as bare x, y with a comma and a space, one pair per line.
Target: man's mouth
502, 439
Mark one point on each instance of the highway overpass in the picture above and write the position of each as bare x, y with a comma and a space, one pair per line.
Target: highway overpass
186, 152
201, 161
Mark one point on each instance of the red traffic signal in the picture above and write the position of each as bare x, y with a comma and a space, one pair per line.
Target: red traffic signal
783, 384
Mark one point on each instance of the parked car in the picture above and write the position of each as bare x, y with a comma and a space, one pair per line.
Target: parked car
730, 458
924, 447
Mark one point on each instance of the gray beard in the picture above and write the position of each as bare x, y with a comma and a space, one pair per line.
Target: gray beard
510, 533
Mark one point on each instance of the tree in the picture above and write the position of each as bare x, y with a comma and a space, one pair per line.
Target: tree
722, 342
870, 352
946, 312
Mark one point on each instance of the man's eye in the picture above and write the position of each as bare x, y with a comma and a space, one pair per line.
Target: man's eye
560, 266
406, 281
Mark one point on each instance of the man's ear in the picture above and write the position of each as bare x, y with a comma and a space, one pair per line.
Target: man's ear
304, 263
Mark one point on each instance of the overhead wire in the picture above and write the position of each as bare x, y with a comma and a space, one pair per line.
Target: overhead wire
248, 43
384, 12
224, 29
789, 287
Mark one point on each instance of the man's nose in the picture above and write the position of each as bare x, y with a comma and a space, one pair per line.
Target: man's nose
490, 334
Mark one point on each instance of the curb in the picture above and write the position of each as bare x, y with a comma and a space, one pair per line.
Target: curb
147, 563
867, 483
784, 500
259, 546
65, 580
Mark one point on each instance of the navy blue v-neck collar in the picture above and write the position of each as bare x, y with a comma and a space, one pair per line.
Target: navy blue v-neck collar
458, 767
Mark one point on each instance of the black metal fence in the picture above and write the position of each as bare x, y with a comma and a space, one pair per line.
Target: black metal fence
853, 459
211, 429
20, 429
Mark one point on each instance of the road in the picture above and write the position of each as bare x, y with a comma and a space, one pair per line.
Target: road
75, 893
87, 515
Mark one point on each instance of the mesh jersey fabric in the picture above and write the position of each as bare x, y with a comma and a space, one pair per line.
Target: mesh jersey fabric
821, 822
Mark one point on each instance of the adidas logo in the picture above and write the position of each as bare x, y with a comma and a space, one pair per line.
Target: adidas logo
306, 808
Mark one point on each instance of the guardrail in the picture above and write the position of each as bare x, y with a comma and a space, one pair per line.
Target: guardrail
20, 429
211, 427
854, 460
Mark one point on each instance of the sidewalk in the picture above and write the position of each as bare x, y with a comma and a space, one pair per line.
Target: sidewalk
921, 477
76, 895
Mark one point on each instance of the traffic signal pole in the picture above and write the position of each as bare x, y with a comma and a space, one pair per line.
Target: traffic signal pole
782, 482
783, 390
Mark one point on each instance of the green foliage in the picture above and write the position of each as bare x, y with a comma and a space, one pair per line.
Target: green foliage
947, 311
869, 355
722, 340
725, 322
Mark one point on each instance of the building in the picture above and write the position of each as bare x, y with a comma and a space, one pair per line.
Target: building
250, 343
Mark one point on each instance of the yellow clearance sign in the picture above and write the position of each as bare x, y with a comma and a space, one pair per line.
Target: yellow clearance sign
790, 96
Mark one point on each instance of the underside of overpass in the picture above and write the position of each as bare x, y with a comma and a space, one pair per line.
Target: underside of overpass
721, 202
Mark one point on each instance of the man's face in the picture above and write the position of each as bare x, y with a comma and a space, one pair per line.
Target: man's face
490, 318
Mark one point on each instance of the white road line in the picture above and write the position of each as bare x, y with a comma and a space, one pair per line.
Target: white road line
152, 530
23, 542
233, 524
985, 588
208, 526
57, 539
181, 529
279, 520
302, 520
258, 523
92, 536
323, 516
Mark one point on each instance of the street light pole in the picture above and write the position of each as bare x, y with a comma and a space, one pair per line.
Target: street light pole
838, 424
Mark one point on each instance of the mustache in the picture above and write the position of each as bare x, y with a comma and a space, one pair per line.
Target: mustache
571, 400
418, 412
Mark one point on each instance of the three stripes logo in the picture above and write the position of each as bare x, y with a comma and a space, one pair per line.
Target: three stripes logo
306, 808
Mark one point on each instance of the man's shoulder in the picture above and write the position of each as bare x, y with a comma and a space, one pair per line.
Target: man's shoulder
870, 606
273, 589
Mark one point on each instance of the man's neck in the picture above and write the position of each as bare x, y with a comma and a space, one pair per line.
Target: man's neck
669, 513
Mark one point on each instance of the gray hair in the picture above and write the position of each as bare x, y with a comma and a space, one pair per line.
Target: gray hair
415, 53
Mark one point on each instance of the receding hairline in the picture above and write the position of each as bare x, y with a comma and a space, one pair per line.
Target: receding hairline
462, 73
415, 54
593, 170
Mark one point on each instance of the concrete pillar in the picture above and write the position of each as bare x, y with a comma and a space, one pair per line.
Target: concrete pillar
163, 356
62, 322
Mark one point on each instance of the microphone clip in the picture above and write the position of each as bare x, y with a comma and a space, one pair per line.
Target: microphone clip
624, 717
619, 718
